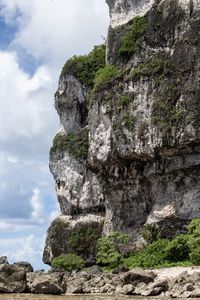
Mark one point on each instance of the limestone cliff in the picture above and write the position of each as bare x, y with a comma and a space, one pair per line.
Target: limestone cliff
128, 153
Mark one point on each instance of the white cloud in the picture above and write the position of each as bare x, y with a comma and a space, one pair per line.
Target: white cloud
27, 248
47, 33
25, 101
54, 30
37, 204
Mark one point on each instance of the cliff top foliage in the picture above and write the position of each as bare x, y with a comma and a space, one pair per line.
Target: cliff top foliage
130, 40
84, 67
76, 145
106, 74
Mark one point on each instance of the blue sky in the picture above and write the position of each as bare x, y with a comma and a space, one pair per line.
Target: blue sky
36, 38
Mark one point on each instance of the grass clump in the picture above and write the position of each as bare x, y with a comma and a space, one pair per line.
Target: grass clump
125, 100
105, 75
150, 232
165, 115
154, 66
108, 253
130, 41
129, 121
69, 262
84, 67
76, 145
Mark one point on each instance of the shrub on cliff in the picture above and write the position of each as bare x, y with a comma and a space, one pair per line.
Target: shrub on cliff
106, 74
69, 262
76, 145
108, 249
130, 41
84, 67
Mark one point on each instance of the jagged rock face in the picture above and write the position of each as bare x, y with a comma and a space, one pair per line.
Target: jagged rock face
122, 11
70, 103
143, 161
152, 165
78, 189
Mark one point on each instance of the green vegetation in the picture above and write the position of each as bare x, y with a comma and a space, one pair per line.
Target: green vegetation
105, 75
155, 66
84, 67
125, 100
76, 145
56, 227
69, 262
84, 237
130, 41
194, 241
159, 254
108, 253
183, 250
129, 121
150, 232
164, 115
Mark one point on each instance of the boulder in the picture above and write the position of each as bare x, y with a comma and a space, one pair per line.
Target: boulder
94, 270
121, 269
12, 279
45, 283
3, 260
26, 266
136, 276
127, 289
74, 287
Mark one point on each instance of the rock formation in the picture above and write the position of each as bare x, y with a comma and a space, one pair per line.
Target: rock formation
128, 152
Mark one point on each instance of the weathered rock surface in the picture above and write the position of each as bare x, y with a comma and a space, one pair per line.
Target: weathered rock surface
132, 156
45, 283
170, 282
3, 260
24, 265
122, 11
12, 279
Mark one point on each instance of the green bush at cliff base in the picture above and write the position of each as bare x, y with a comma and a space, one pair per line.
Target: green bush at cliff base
194, 241
130, 41
160, 254
108, 253
183, 250
69, 262
84, 67
106, 74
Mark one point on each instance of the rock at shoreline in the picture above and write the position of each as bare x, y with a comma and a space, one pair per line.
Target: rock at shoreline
12, 279
26, 266
176, 284
3, 260
45, 283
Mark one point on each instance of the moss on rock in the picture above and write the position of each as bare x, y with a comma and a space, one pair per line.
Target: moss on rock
76, 145
130, 41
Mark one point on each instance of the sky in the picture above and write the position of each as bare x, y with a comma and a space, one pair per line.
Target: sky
36, 38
